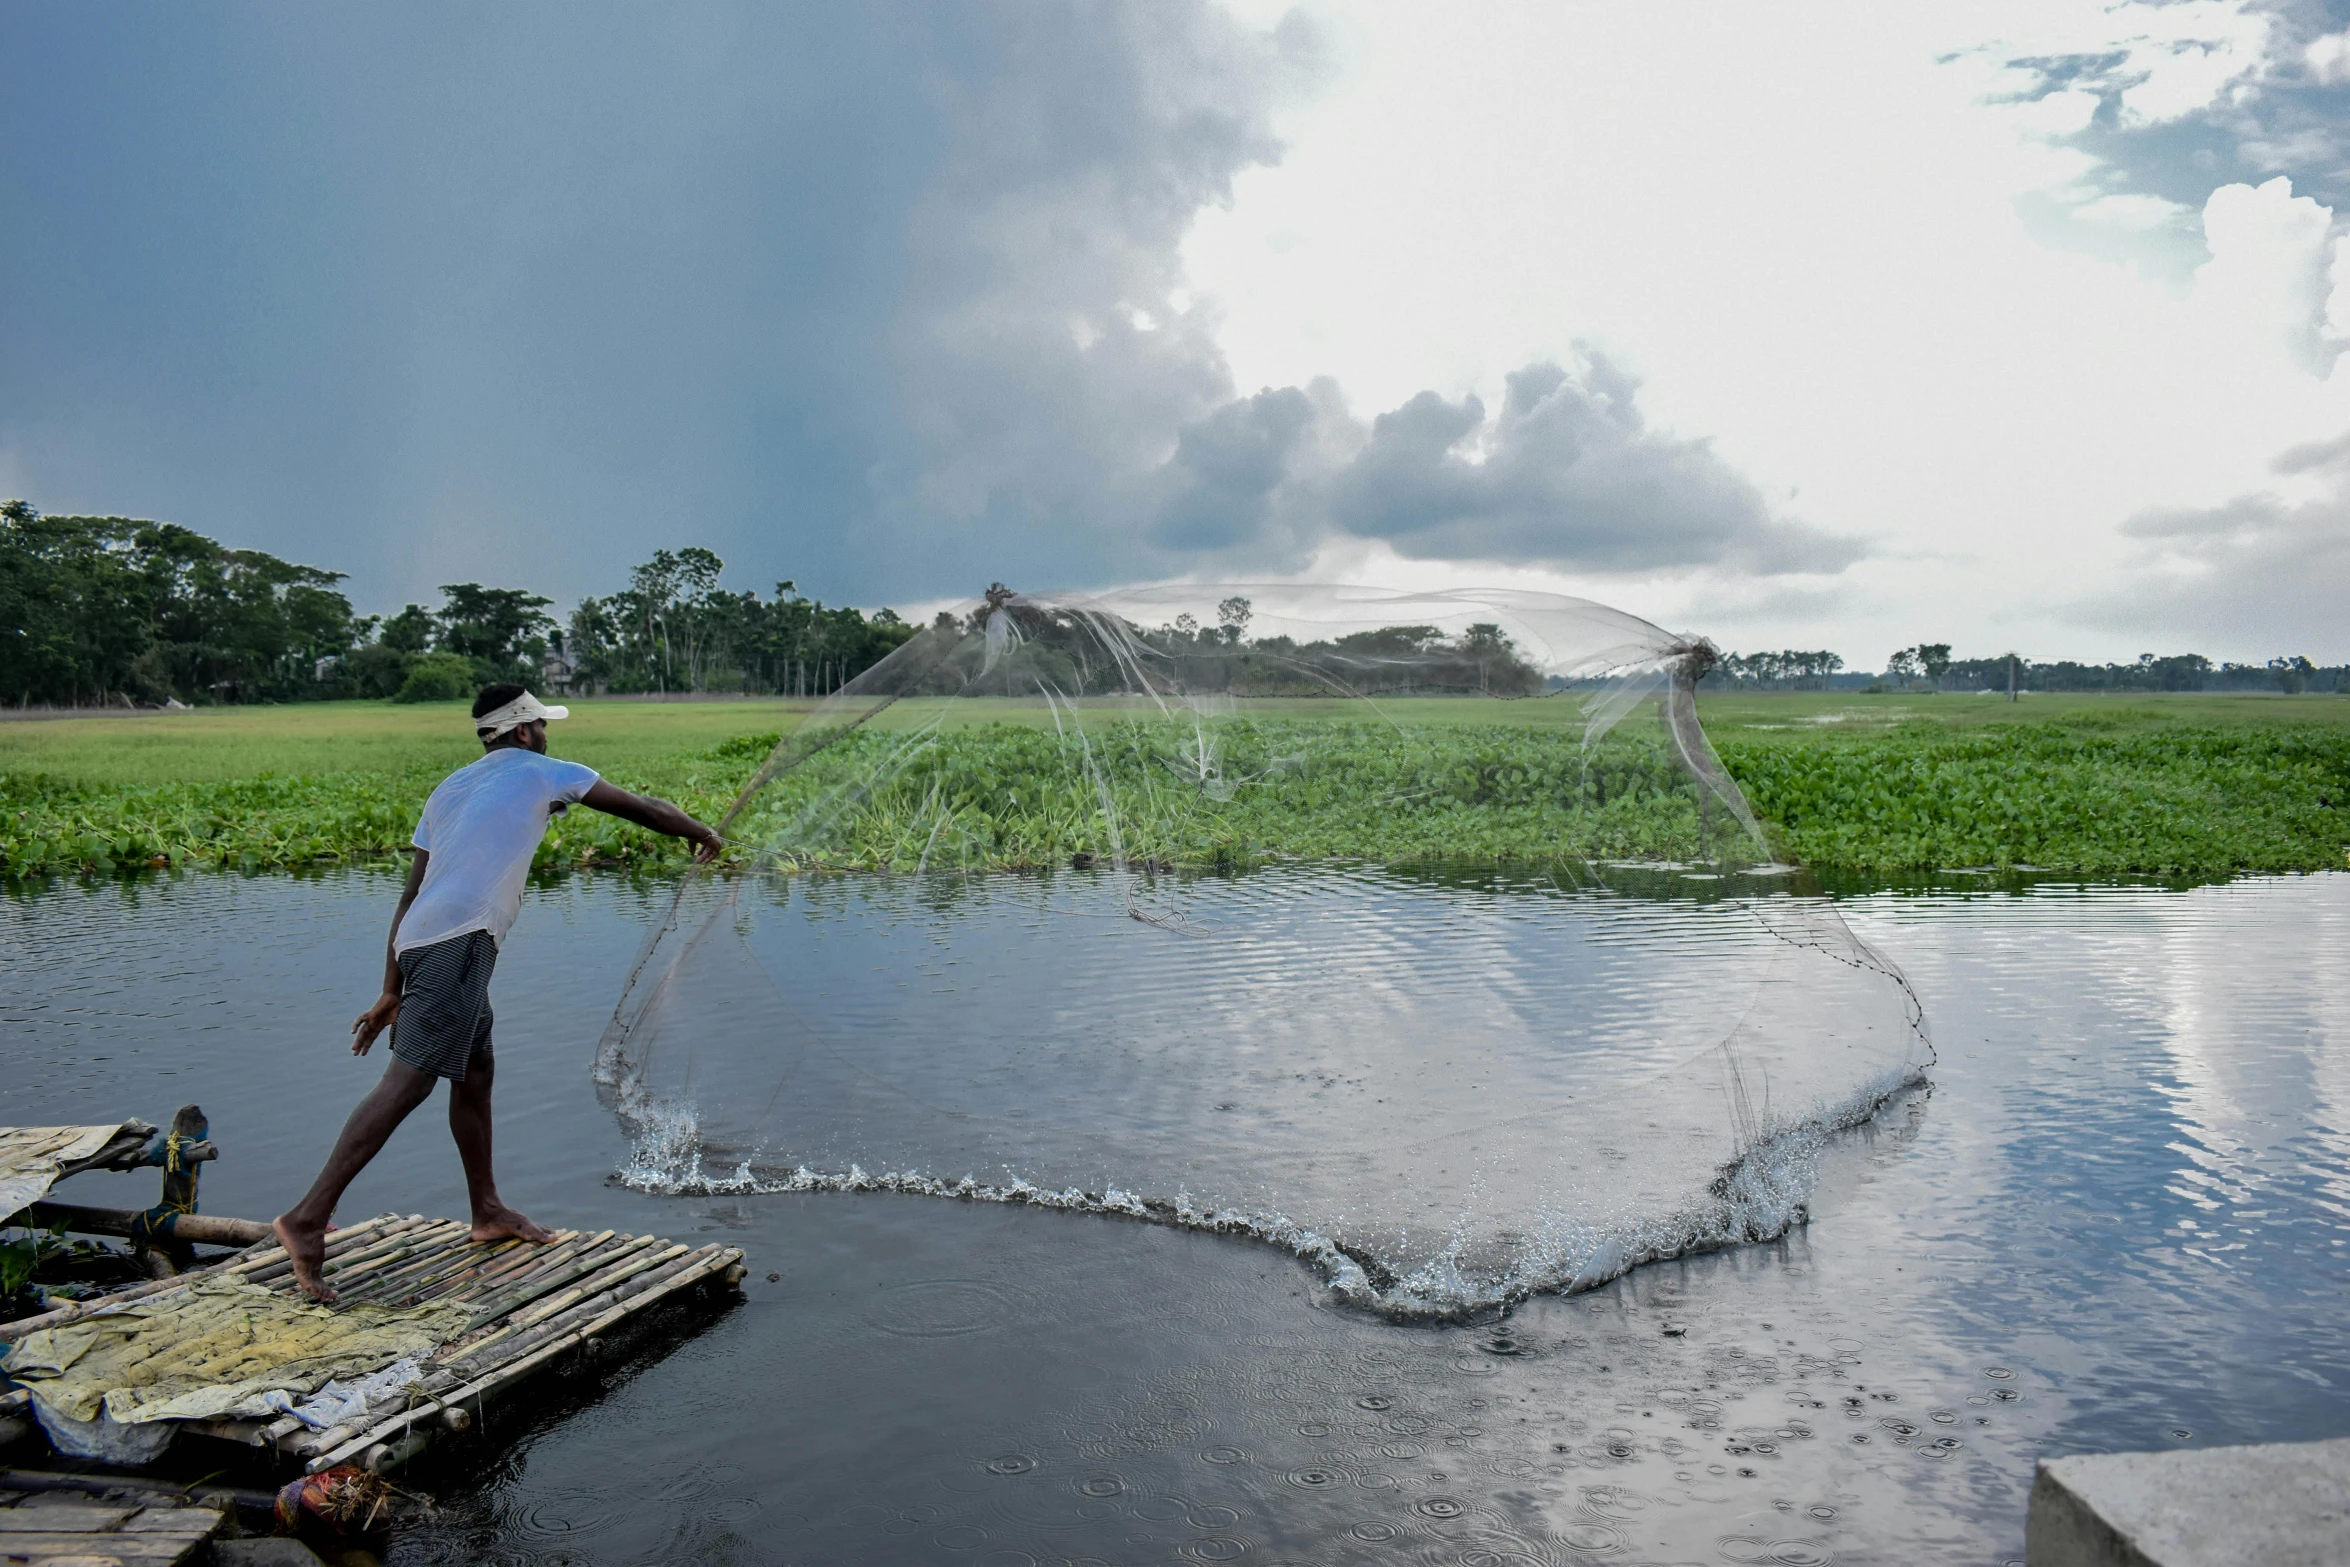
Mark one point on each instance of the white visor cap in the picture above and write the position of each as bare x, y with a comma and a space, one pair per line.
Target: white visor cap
524, 709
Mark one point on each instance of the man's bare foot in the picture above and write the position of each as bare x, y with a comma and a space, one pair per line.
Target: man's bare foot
306, 1249
503, 1223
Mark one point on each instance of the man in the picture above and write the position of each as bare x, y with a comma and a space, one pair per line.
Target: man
473, 851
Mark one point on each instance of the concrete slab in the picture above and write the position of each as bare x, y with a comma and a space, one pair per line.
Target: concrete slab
2283, 1505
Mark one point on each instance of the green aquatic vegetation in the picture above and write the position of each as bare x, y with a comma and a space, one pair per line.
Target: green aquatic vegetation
2058, 797
1019, 794
51, 826
1238, 792
48, 824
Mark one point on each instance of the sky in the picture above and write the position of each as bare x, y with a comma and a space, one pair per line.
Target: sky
2015, 324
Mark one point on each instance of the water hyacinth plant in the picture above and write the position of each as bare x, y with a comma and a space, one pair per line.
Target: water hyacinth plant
1470, 790
1238, 792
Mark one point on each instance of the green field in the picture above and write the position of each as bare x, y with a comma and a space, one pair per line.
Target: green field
2195, 785
2167, 785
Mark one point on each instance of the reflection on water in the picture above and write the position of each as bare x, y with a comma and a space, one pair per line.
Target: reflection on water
2119, 1219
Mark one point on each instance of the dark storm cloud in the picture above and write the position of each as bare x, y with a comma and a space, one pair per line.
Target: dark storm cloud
884, 298
873, 295
1568, 474
1219, 489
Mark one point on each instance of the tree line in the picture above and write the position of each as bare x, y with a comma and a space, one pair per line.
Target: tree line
1929, 666
1790, 670
1932, 668
1074, 656
115, 611
98, 611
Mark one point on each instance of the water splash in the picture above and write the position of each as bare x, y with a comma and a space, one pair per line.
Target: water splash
1758, 1197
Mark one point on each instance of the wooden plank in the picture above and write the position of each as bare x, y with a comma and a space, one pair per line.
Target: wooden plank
54, 1517
124, 1548
132, 1492
194, 1522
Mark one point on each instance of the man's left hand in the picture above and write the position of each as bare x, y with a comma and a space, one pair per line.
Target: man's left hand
374, 1021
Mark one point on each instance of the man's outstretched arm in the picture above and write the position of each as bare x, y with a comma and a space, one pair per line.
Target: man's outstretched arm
379, 1017
657, 815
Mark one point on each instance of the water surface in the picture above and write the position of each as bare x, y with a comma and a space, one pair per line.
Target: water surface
2119, 1218
1448, 1092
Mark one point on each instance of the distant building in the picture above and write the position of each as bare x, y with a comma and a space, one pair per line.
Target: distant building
558, 671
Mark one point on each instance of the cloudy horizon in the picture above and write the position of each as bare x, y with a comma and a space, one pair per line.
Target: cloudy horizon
2013, 325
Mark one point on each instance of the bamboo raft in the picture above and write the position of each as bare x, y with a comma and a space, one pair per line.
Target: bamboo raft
532, 1308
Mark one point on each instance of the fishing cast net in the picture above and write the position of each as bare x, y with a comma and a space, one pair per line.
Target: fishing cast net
1421, 934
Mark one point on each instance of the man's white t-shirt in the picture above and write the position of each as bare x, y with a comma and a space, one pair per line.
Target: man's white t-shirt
481, 827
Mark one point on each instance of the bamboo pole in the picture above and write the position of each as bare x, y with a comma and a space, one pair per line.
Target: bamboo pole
457, 1269
262, 1263
338, 1241
428, 1259
695, 1266
596, 1265
305, 1442
429, 1249
394, 1245
447, 1262
532, 1261
279, 1429
519, 1274
569, 1300
526, 1259
623, 1291
539, 1283
397, 1239
515, 1307
708, 1262
201, 1229
342, 1245
444, 1390
486, 1316
478, 1361
612, 1267
507, 1261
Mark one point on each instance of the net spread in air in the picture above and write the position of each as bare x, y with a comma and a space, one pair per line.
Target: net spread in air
1420, 934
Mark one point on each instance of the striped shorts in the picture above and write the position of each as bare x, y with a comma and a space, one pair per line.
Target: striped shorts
444, 1021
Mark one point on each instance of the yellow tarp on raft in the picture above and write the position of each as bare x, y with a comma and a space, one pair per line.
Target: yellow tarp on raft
214, 1349
30, 1157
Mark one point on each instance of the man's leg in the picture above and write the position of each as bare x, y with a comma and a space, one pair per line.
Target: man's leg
469, 1123
301, 1229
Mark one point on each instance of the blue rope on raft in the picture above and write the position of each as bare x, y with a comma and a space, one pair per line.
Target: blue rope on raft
179, 1188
